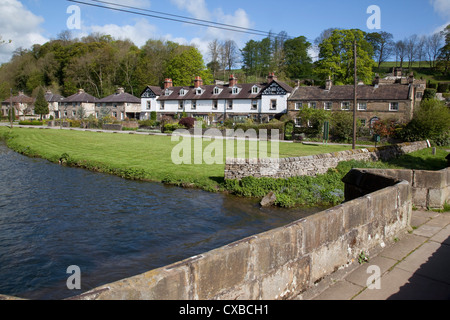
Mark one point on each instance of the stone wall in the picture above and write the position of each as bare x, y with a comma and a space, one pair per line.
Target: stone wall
280, 263
312, 165
430, 189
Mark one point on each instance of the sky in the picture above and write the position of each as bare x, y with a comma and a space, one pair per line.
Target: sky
28, 22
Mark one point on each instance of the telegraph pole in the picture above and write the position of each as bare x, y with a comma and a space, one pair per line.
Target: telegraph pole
11, 106
355, 97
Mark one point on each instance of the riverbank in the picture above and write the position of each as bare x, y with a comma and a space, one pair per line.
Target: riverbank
149, 158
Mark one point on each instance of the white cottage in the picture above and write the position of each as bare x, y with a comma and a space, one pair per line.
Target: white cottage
258, 101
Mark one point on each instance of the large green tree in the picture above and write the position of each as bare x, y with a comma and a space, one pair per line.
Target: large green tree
336, 57
185, 66
383, 45
41, 104
298, 64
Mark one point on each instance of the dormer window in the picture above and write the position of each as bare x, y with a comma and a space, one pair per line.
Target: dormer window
217, 90
167, 92
198, 91
255, 90
182, 92
235, 90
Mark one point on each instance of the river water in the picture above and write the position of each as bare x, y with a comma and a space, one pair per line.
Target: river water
52, 217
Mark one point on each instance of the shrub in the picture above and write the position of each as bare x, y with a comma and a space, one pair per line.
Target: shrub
431, 121
187, 122
429, 94
31, 123
442, 87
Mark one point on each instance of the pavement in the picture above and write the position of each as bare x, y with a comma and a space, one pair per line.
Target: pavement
415, 267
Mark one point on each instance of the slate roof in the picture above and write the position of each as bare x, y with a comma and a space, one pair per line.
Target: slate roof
120, 98
21, 98
345, 92
245, 92
50, 97
81, 96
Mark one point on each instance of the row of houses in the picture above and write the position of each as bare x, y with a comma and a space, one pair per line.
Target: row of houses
391, 97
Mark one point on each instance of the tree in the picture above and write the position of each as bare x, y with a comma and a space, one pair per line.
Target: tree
185, 66
411, 49
400, 52
41, 105
298, 64
444, 52
433, 44
336, 58
431, 121
383, 45
230, 54
214, 51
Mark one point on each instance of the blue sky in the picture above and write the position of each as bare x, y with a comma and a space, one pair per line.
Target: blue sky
41, 20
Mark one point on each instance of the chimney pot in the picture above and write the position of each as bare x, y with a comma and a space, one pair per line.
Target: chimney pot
328, 84
271, 77
198, 82
167, 83
233, 81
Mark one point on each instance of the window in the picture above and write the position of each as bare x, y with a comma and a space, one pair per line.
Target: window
362, 106
313, 105
235, 90
298, 105
230, 105
255, 89
182, 92
216, 90
74, 113
254, 104
194, 105
345, 105
419, 95
180, 105
198, 91
215, 105
115, 114
149, 105
298, 122
363, 122
273, 104
161, 106
167, 93
393, 106
328, 105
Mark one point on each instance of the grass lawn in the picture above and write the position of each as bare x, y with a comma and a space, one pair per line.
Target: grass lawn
148, 156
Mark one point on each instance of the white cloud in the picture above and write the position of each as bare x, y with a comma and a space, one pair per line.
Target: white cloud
442, 7
197, 8
19, 25
139, 33
132, 3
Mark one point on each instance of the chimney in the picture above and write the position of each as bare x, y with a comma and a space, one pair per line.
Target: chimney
198, 82
376, 81
233, 81
168, 83
411, 78
328, 83
120, 90
271, 77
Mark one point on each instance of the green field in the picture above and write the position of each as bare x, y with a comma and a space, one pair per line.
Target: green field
146, 157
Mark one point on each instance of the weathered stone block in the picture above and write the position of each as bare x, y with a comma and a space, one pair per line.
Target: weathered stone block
420, 196
428, 179
219, 270
286, 281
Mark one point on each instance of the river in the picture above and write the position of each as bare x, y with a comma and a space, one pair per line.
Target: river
52, 217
